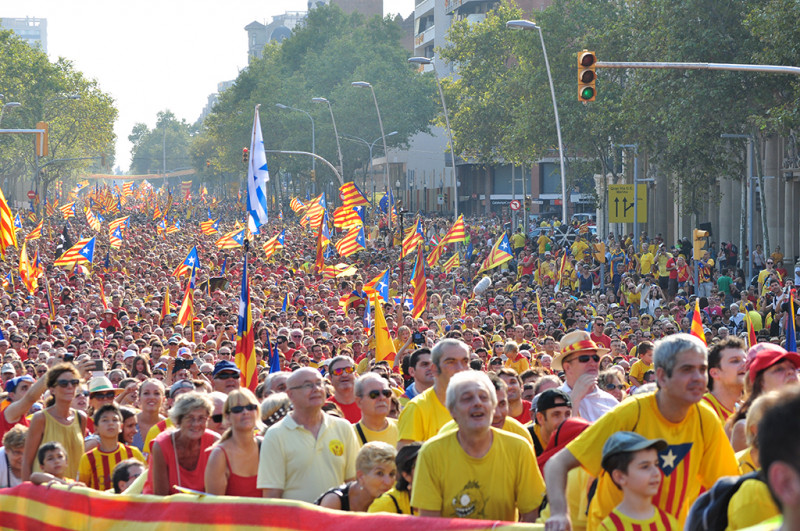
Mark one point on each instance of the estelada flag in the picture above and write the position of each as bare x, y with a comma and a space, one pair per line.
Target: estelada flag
8, 236
245, 338
384, 346
190, 262
413, 239
352, 242
457, 232
697, 323
351, 195
186, 312
420, 285
68, 210
80, 253
231, 240
274, 243
500, 254
209, 227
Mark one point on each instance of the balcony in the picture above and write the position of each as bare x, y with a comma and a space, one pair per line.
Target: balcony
423, 7
424, 37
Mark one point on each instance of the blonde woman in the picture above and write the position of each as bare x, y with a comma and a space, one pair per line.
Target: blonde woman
376, 473
233, 465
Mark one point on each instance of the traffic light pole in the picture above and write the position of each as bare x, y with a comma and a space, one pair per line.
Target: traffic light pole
772, 69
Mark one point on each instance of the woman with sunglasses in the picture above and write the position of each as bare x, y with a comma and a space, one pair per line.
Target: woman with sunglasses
60, 422
233, 464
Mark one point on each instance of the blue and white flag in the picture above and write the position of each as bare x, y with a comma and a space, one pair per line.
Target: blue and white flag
257, 179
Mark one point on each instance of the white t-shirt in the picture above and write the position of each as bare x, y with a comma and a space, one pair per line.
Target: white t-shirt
7, 477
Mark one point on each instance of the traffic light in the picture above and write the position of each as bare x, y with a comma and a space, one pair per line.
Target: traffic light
699, 241
587, 76
42, 144
245, 156
599, 252
208, 163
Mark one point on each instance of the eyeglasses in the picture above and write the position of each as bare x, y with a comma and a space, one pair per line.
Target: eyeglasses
496, 362
375, 393
66, 383
84, 393
103, 396
338, 371
217, 418
611, 387
239, 409
308, 386
584, 358
226, 375
207, 373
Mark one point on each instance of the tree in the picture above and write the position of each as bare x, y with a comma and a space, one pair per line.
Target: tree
165, 147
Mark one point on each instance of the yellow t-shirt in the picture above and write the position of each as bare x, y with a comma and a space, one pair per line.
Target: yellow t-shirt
511, 425
698, 454
639, 368
579, 249
661, 263
646, 263
385, 503
542, 242
422, 417
519, 364
722, 412
154, 432
745, 461
498, 486
750, 505
518, 240
661, 521
96, 467
578, 483
387, 435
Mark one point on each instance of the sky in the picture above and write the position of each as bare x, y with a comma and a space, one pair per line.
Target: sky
152, 55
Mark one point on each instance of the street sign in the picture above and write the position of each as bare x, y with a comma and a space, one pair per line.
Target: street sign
514, 205
620, 203
341, 195
537, 201
31, 194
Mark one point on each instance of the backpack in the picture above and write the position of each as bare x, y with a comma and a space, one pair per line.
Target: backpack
710, 511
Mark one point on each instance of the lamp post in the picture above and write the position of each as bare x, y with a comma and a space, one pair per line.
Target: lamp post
369, 145
335, 131
428, 61
528, 25
364, 84
313, 144
9, 105
751, 207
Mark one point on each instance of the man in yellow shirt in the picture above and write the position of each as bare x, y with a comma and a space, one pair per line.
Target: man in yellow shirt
373, 398
726, 374
646, 260
477, 471
423, 417
698, 451
542, 242
579, 249
518, 241
644, 351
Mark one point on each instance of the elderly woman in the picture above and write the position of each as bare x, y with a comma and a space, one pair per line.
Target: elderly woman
58, 423
233, 464
375, 474
398, 499
611, 382
179, 455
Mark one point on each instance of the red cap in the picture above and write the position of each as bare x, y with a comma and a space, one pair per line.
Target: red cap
764, 355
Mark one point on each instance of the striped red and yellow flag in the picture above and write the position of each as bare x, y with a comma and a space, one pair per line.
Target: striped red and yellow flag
384, 346
752, 340
93, 221
412, 238
80, 253
119, 222
231, 240
68, 210
36, 233
420, 285
344, 217
351, 195
8, 236
209, 227
186, 190
26, 271
457, 232
127, 189
296, 205
273, 244
352, 242
451, 263
697, 323
370, 286
50, 207
435, 255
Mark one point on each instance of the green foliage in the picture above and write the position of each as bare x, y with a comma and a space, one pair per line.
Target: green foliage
320, 59
79, 126
166, 146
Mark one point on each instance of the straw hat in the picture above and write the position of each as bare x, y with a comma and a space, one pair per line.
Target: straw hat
573, 343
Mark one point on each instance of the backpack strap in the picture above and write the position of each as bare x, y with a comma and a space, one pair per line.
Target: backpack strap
396, 505
361, 434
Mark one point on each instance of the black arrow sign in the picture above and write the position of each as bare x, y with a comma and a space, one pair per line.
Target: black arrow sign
616, 206
626, 206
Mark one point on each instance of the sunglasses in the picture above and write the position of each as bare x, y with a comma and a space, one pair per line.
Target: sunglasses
584, 358
497, 362
103, 396
207, 373
217, 418
85, 393
67, 383
338, 371
375, 393
611, 387
227, 375
248, 407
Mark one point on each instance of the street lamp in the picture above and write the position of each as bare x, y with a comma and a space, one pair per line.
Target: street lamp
427, 61
528, 25
335, 132
369, 145
364, 84
9, 105
313, 143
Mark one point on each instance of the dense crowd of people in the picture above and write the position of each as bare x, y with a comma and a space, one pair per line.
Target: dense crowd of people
568, 390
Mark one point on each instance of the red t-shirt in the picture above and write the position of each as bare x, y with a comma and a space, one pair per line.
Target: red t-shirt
351, 411
5, 425
525, 416
601, 340
673, 273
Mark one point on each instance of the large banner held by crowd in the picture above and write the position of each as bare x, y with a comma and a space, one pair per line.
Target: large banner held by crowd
56, 508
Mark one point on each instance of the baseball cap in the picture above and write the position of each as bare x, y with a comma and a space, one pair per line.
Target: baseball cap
628, 441
8, 368
760, 358
173, 340
552, 398
225, 365
180, 384
12, 384
128, 354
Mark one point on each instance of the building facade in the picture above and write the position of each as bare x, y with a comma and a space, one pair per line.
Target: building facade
30, 29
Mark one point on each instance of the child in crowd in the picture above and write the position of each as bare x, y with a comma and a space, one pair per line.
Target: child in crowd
97, 466
53, 461
632, 462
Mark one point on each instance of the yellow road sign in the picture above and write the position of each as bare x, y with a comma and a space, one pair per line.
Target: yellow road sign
620, 203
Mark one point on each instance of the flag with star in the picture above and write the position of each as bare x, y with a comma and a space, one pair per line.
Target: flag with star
191, 261
384, 346
499, 255
36, 233
209, 227
274, 243
186, 312
352, 242
115, 238
414, 238
68, 210
245, 337
379, 285
232, 239
80, 253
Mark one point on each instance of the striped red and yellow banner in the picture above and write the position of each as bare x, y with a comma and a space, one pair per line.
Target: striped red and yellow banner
36, 507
